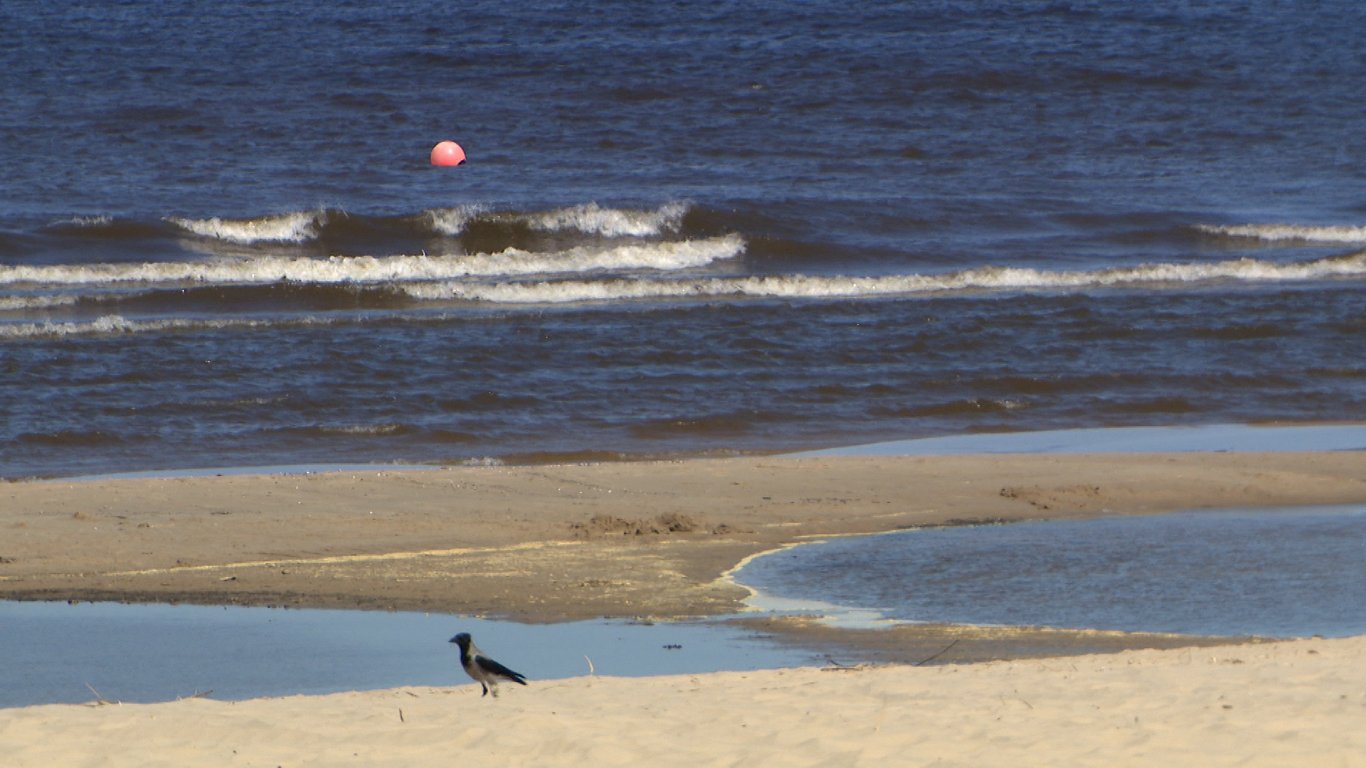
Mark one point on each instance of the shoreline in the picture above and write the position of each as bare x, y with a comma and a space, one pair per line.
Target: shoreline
1317, 437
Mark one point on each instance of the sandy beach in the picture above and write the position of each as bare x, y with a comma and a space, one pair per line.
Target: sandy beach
549, 543
1280, 704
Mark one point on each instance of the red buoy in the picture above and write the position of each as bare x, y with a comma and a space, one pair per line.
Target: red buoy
447, 153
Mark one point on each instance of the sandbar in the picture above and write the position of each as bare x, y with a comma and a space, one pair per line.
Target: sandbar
568, 542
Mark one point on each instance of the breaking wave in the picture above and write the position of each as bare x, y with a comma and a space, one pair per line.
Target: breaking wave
117, 324
672, 255
453, 221
390, 284
275, 289
20, 303
299, 227
1289, 232
816, 287
610, 222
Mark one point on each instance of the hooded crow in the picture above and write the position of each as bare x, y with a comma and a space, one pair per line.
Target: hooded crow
481, 668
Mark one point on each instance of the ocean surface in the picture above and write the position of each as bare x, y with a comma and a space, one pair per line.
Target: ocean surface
1270, 573
682, 229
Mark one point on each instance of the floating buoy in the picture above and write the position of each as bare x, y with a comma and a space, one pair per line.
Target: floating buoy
447, 153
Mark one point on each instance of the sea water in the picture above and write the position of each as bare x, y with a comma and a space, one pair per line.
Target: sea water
684, 229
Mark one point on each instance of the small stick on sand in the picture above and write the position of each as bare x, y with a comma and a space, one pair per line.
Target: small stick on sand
836, 666
937, 655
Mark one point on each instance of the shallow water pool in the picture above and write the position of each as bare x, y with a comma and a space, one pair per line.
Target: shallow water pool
62, 653
1277, 573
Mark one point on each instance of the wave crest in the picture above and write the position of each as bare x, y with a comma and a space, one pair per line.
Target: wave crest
118, 324
612, 222
835, 286
588, 219
296, 227
24, 303
304, 227
673, 255
1289, 232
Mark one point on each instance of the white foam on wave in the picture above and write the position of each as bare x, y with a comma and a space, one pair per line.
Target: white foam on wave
386, 269
452, 221
306, 226
118, 324
366, 429
294, 227
1291, 232
105, 324
817, 286
19, 303
589, 218
415, 281
85, 221
611, 222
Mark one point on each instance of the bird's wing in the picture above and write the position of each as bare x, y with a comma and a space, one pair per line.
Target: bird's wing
494, 668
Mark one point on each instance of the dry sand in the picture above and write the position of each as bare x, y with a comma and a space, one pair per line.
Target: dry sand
1298, 703
654, 539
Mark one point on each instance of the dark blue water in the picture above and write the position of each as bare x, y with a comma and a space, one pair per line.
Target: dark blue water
684, 229
1278, 573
